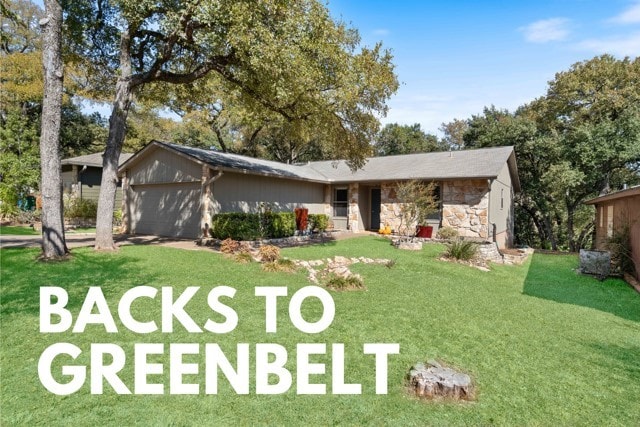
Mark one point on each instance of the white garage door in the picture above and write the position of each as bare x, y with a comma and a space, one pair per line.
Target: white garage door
166, 210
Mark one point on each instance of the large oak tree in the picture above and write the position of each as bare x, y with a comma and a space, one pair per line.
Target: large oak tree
288, 57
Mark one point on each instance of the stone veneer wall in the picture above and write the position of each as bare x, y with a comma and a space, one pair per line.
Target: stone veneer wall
389, 206
353, 208
465, 207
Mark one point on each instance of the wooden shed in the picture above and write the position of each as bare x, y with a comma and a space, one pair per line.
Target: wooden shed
614, 211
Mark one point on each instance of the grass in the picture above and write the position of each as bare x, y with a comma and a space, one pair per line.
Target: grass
17, 230
543, 345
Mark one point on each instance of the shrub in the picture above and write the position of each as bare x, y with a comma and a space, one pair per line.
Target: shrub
285, 265
461, 250
249, 226
117, 217
283, 224
269, 253
80, 208
243, 257
619, 244
319, 222
229, 246
339, 283
447, 233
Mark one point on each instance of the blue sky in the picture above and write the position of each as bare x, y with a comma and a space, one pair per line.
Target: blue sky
455, 57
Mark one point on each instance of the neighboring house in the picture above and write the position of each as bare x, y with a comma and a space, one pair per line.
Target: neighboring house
616, 210
82, 176
173, 190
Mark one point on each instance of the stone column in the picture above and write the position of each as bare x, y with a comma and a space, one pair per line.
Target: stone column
353, 208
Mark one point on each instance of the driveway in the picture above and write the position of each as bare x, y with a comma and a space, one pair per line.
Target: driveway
76, 240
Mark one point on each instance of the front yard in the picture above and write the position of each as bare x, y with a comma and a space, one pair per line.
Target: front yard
543, 345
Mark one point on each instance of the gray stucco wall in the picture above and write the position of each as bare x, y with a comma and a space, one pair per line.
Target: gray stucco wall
235, 192
501, 207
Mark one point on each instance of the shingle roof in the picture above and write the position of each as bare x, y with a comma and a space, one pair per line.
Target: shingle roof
240, 163
94, 159
466, 164
480, 163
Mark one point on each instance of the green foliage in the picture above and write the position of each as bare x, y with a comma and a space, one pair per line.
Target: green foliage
417, 201
396, 139
279, 265
619, 244
447, 233
252, 226
243, 257
463, 250
76, 207
319, 222
117, 217
339, 283
19, 158
580, 139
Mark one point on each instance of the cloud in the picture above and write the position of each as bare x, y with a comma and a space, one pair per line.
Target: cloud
629, 16
381, 32
546, 30
619, 46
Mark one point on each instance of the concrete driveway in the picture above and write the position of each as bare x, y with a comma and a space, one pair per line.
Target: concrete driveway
76, 240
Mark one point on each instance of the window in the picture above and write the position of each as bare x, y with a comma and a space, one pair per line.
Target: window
609, 220
436, 215
502, 198
340, 202
601, 216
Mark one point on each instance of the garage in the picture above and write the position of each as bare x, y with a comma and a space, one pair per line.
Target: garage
171, 209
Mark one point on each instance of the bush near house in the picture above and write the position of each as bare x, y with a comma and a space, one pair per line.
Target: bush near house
318, 222
250, 226
76, 207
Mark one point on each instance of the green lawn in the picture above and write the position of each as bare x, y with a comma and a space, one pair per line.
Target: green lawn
544, 345
17, 230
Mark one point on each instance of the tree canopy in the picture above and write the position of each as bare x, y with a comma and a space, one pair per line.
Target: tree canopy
579, 140
396, 139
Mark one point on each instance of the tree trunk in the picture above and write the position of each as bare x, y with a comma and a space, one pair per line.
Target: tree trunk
53, 240
117, 131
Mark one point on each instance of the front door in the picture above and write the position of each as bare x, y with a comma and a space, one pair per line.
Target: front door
375, 208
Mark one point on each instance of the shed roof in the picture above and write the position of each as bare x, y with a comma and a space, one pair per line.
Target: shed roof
467, 164
94, 159
631, 191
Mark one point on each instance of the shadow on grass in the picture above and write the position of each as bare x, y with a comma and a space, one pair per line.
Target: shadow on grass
553, 277
23, 275
619, 358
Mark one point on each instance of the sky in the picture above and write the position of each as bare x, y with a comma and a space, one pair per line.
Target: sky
453, 58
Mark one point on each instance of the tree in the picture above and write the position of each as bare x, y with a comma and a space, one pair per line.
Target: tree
417, 201
454, 133
396, 139
571, 144
290, 57
21, 98
53, 241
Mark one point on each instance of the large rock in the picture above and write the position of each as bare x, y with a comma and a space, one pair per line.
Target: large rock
597, 263
433, 380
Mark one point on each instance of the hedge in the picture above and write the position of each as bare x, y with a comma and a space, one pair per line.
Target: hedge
251, 226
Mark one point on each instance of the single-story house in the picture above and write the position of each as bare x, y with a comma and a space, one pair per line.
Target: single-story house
614, 211
173, 190
82, 175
